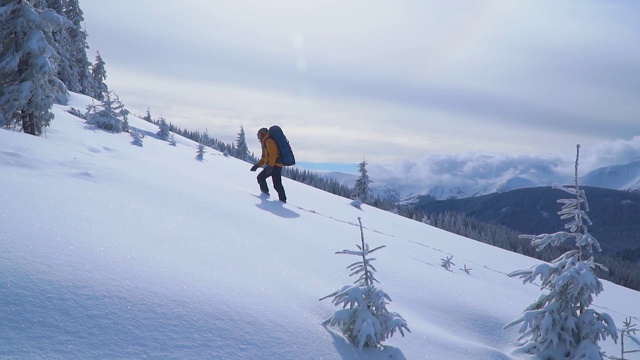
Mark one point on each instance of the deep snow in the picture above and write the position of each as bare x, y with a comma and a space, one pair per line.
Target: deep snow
111, 250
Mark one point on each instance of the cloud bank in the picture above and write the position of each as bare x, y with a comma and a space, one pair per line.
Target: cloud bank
384, 81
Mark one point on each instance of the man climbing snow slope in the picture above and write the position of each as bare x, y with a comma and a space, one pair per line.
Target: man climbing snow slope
271, 158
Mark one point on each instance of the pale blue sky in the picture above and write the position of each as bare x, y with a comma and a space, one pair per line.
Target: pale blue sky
394, 82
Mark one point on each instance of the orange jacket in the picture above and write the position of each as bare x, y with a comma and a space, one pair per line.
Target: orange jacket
269, 153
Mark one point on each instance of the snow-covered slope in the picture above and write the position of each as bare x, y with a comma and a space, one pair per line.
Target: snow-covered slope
619, 177
110, 250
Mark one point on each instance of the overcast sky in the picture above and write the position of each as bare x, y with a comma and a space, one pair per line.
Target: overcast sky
394, 82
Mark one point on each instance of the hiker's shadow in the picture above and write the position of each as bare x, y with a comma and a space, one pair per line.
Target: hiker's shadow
276, 207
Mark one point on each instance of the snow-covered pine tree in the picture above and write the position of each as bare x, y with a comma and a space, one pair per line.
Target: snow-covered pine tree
110, 114
361, 188
136, 137
28, 84
242, 150
200, 152
559, 324
364, 318
99, 74
163, 131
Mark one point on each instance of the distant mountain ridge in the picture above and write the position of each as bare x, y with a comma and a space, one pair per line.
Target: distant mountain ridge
617, 177
620, 177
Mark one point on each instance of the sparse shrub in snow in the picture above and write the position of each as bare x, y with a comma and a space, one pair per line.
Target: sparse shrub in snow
364, 318
172, 139
559, 324
75, 112
447, 263
466, 269
109, 114
356, 203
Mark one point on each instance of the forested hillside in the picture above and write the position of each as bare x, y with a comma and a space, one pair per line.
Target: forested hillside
498, 219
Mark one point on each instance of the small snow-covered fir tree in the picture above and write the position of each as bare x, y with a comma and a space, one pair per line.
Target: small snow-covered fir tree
200, 152
147, 116
136, 137
99, 74
361, 189
242, 150
559, 324
163, 131
110, 114
364, 318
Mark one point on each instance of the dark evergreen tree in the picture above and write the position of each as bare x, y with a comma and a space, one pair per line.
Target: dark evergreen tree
147, 116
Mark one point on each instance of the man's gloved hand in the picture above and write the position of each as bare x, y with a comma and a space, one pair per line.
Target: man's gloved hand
254, 168
268, 170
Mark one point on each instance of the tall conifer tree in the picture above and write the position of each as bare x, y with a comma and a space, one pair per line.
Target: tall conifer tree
99, 74
28, 82
361, 189
241, 145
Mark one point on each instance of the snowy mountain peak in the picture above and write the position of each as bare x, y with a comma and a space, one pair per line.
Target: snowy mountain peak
512, 183
619, 177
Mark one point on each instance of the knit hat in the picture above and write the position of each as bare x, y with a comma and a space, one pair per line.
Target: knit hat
263, 132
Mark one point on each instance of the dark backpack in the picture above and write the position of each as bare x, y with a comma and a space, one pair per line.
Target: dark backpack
284, 148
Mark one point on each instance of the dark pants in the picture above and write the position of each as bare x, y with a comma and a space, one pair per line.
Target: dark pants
276, 176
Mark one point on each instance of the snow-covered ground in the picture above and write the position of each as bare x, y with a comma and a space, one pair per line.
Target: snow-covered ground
111, 250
